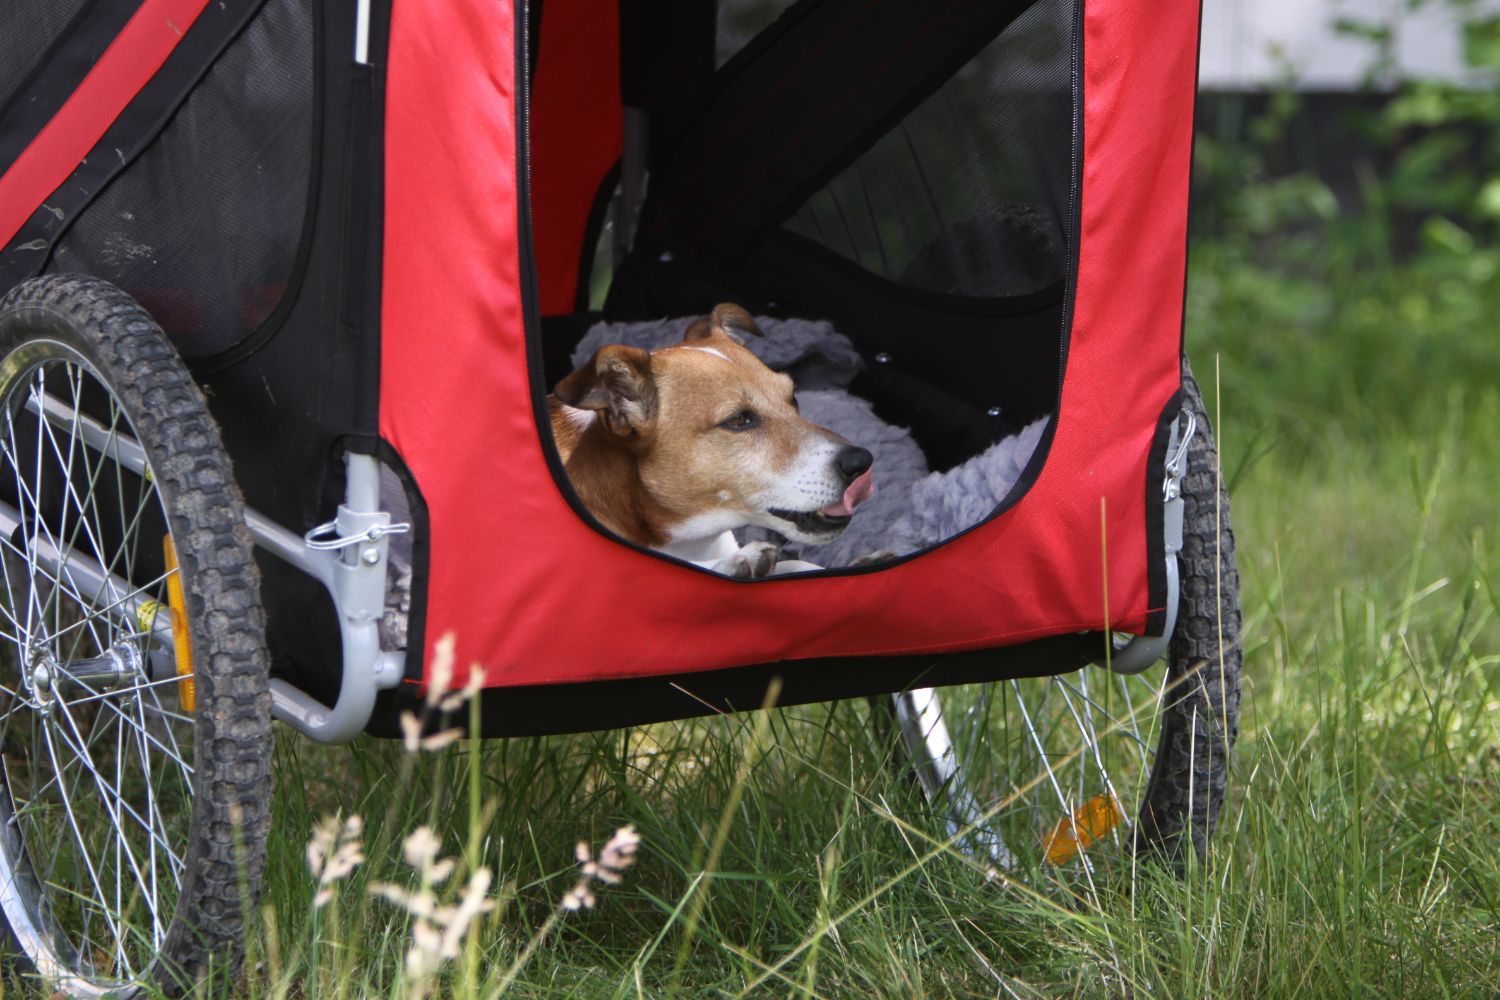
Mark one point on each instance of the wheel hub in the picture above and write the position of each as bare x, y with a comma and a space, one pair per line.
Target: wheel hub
121, 665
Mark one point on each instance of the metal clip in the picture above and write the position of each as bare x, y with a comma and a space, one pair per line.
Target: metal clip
1177, 462
314, 539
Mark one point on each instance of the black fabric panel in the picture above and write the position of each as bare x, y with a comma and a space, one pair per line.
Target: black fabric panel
289, 407
787, 115
47, 47
203, 228
533, 35
134, 130
574, 708
666, 61
364, 191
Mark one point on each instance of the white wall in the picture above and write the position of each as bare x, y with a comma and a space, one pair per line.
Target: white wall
1251, 43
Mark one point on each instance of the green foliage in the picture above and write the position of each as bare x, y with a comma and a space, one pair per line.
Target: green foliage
1356, 319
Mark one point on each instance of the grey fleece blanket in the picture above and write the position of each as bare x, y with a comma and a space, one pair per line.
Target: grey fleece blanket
912, 508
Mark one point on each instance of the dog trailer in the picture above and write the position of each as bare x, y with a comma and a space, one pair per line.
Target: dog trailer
287, 284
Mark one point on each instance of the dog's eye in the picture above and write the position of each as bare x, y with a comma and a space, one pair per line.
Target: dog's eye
741, 421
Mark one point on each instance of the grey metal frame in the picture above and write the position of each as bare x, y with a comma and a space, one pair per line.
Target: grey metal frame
1139, 652
352, 566
348, 555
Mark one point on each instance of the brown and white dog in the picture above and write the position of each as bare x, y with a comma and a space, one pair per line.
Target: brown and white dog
674, 448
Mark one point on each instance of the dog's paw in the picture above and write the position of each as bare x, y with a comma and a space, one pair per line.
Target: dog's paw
882, 555
751, 562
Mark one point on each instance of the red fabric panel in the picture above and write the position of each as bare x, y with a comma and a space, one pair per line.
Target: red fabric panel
576, 135
534, 595
124, 68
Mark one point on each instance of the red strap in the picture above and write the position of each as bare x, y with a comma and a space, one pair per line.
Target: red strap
124, 68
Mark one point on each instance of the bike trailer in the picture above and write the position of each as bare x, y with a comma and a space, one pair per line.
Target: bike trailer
289, 282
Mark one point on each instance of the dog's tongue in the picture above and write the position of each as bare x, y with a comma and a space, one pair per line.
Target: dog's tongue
858, 492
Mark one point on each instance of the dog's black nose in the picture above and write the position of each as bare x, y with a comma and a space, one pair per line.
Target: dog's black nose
852, 462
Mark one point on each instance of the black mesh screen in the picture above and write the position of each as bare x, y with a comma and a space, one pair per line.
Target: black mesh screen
738, 21
27, 28
968, 195
203, 228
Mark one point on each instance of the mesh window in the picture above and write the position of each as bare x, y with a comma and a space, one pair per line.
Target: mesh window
968, 195
203, 228
741, 20
27, 28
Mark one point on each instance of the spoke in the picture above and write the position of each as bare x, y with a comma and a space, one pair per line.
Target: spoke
155, 817
69, 491
1040, 748
1117, 723
103, 699
83, 853
36, 506
13, 455
114, 804
88, 512
35, 569
8, 609
155, 832
38, 390
165, 714
120, 848
74, 595
100, 612
1139, 742
130, 533
1085, 723
1091, 736
116, 692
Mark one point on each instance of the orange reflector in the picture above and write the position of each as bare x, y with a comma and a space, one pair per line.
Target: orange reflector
1089, 822
187, 691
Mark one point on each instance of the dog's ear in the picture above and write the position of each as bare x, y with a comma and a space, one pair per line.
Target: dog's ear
727, 320
617, 384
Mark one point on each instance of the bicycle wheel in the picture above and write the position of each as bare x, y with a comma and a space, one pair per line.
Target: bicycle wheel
134, 707
1055, 776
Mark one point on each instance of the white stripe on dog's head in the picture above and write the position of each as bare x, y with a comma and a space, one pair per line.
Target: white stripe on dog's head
709, 350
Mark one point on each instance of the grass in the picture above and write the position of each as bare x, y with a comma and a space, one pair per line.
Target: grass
781, 855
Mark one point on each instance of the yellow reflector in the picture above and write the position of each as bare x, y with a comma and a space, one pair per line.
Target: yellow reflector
145, 615
187, 691
1089, 822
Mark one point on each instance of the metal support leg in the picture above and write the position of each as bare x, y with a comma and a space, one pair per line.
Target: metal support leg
348, 556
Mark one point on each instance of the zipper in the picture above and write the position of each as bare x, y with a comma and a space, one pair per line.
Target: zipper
1072, 237
527, 247
531, 320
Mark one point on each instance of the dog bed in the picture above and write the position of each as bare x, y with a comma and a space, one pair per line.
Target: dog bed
912, 508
